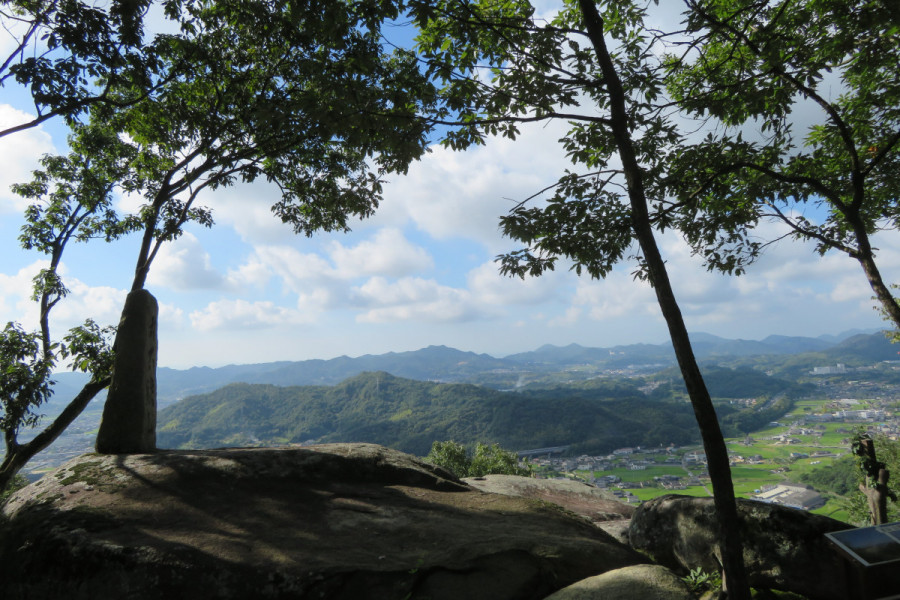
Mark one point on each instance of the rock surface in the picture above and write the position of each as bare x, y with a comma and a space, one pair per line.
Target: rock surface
590, 502
641, 582
598, 506
340, 521
784, 548
129, 413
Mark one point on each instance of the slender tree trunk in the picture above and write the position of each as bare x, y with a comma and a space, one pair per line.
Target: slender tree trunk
142, 268
866, 259
145, 255
735, 576
18, 455
729, 525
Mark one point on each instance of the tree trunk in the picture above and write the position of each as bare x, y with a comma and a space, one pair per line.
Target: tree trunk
18, 456
866, 259
734, 576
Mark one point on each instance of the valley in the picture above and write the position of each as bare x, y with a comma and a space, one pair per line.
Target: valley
627, 426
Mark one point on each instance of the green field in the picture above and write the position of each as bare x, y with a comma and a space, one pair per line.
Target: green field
748, 478
650, 493
646, 475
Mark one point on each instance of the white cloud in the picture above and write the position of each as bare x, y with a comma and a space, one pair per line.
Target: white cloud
413, 299
171, 317
615, 297
451, 194
491, 288
19, 156
240, 314
248, 209
252, 274
15, 292
572, 316
103, 304
387, 253
297, 270
184, 265
323, 278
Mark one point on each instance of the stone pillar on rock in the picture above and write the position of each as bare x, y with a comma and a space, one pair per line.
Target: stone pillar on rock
129, 416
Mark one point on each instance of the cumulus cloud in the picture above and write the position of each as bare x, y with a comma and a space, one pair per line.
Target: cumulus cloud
413, 299
387, 253
491, 288
15, 293
19, 156
247, 207
463, 194
570, 317
185, 265
103, 304
251, 274
297, 270
615, 297
171, 317
240, 314
326, 273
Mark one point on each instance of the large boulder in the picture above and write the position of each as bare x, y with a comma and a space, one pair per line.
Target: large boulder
340, 521
600, 507
592, 503
640, 582
784, 548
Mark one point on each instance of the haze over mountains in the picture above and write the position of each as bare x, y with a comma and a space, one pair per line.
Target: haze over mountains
440, 363
566, 375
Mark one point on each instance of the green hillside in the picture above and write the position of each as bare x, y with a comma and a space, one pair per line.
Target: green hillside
409, 415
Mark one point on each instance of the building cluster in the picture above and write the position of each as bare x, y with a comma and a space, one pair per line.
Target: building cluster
620, 458
837, 369
869, 415
791, 494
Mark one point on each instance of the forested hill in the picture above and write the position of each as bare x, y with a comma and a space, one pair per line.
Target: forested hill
541, 366
409, 415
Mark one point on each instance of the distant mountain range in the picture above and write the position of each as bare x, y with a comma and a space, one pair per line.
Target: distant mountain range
440, 363
550, 364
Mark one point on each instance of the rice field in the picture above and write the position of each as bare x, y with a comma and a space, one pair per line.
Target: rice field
781, 463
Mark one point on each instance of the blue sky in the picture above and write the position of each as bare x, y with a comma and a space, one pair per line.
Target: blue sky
420, 272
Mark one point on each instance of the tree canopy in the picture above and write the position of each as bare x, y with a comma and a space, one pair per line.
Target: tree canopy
301, 94
71, 54
596, 67
802, 101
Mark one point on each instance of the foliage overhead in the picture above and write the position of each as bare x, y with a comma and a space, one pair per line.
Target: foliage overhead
501, 66
301, 94
321, 111
71, 54
595, 66
768, 67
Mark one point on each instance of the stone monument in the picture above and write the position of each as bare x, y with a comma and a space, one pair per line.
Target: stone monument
129, 416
